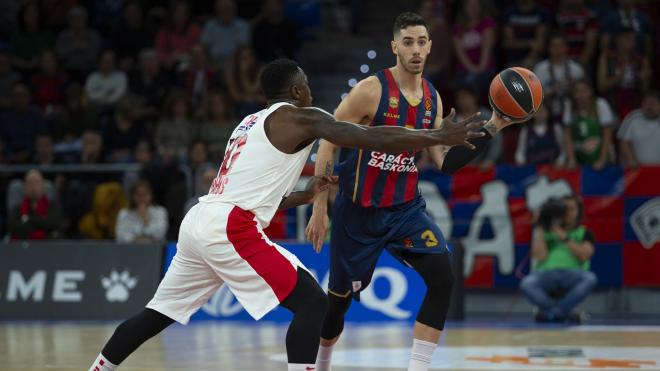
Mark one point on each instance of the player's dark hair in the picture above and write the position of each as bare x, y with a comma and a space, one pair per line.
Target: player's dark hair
407, 19
277, 77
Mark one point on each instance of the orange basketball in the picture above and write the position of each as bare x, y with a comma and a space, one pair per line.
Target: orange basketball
516, 93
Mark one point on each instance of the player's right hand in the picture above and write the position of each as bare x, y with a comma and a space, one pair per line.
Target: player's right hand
452, 133
317, 229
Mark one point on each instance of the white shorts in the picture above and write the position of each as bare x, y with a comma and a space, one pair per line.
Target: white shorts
221, 243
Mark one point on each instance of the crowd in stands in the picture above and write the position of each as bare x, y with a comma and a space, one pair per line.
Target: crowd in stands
162, 85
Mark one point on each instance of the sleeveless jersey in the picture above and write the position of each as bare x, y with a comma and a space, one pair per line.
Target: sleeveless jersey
255, 175
377, 179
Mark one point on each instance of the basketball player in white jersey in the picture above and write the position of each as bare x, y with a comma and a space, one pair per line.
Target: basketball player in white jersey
221, 239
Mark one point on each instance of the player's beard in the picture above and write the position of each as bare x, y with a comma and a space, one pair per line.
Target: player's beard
410, 68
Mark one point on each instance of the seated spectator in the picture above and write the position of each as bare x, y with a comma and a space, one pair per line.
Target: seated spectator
626, 16
640, 133
623, 74
177, 36
202, 187
142, 221
198, 161
525, 29
150, 83
540, 141
199, 76
557, 74
48, 85
31, 39
224, 33
122, 134
174, 130
20, 125
44, 153
37, 217
99, 223
92, 148
242, 80
131, 36
274, 36
77, 117
217, 124
8, 77
561, 249
467, 104
107, 85
579, 26
589, 122
474, 41
78, 46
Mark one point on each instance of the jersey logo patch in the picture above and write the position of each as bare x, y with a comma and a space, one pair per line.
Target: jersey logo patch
394, 102
428, 104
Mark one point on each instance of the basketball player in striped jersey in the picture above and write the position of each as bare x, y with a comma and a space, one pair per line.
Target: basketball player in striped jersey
221, 239
378, 205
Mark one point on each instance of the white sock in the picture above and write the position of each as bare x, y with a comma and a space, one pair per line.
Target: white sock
301, 367
323, 358
421, 355
102, 364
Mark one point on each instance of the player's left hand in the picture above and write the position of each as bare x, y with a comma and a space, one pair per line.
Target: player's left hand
318, 184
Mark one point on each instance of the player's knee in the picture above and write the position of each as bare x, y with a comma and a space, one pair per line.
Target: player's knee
333, 324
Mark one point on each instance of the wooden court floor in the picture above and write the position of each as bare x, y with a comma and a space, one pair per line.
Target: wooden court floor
67, 346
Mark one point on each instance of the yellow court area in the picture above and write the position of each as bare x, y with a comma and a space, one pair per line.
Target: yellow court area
206, 346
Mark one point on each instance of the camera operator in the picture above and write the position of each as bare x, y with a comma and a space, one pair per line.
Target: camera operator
561, 249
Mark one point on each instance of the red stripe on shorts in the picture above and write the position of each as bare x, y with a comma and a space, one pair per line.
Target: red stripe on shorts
249, 243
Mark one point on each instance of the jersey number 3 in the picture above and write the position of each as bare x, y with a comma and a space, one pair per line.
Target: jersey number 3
218, 185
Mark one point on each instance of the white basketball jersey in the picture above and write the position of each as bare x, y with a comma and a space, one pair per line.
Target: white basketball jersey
255, 175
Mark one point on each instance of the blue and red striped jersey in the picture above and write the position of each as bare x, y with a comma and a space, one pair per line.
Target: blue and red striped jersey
376, 179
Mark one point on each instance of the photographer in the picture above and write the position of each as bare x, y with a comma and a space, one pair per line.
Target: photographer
561, 249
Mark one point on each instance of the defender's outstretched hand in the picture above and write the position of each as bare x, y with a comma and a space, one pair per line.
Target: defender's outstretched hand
318, 184
452, 134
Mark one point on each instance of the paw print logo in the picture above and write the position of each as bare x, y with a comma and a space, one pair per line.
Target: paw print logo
118, 285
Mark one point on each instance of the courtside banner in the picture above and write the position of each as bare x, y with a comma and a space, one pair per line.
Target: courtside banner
76, 280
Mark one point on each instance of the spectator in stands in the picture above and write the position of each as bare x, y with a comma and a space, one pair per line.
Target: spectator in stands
99, 223
467, 103
438, 63
77, 117
242, 80
49, 84
525, 30
474, 41
589, 122
92, 148
198, 161
177, 36
627, 17
579, 26
37, 217
202, 187
44, 153
199, 76
640, 133
78, 46
20, 125
174, 130
8, 77
541, 141
273, 35
122, 134
151, 83
131, 36
623, 74
31, 39
142, 221
107, 85
217, 124
557, 74
224, 33
561, 249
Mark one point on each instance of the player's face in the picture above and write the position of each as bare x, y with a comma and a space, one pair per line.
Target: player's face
412, 46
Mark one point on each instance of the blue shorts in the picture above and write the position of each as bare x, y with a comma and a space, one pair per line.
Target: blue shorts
359, 235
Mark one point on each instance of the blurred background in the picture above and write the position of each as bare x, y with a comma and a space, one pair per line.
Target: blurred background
114, 115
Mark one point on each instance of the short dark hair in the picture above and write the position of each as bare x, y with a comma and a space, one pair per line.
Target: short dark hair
408, 19
278, 76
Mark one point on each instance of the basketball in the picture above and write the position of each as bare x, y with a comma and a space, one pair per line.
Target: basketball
516, 93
